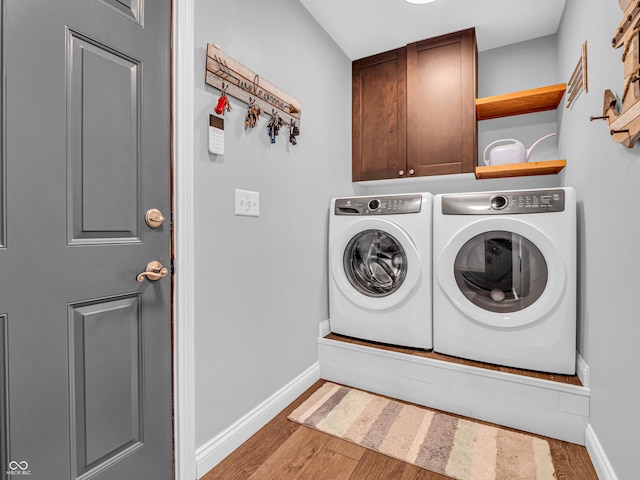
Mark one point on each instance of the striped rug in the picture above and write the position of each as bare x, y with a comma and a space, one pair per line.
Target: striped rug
445, 444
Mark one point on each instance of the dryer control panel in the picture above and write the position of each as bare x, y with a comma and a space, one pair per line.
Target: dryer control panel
504, 203
380, 205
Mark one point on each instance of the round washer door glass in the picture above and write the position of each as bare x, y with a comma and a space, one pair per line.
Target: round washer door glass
500, 271
375, 263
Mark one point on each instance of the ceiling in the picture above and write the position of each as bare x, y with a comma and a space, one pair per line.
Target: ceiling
365, 27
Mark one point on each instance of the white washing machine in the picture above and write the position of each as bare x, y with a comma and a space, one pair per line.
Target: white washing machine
505, 278
380, 268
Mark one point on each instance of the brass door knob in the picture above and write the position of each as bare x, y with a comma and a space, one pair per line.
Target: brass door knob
154, 271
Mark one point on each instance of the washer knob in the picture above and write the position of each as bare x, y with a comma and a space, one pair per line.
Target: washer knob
498, 202
374, 204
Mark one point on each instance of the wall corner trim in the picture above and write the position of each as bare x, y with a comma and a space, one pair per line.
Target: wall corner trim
598, 456
582, 370
325, 329
216, 449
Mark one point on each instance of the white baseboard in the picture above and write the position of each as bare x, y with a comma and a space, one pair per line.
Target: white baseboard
325, 329
582, 370
216, 449
598, 456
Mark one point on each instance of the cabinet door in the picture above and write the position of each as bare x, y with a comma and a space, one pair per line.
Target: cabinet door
441, 88
379, 116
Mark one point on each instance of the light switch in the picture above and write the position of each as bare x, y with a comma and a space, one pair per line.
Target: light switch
247, 203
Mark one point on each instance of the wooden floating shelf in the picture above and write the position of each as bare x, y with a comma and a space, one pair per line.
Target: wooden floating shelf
550, 167
518, 103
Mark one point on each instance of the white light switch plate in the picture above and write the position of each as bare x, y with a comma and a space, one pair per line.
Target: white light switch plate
247, 203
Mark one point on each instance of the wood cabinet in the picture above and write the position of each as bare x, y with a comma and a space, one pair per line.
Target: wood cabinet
414, 109
379, 126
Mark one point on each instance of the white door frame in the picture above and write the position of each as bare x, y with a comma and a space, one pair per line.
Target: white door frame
183, 201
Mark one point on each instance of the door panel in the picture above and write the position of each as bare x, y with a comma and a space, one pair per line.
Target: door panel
104, 109
129, 8
86, 152
106, 374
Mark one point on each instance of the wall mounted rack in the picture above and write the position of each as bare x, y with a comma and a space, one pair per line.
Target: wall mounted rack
230, 76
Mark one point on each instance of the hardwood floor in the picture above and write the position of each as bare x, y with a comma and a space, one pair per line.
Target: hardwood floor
284, 450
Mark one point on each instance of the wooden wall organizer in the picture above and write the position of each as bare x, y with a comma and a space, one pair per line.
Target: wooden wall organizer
624, 123
225, 73
578, 80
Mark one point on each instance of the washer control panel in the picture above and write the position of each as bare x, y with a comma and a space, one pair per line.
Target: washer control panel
504, 203
381, 205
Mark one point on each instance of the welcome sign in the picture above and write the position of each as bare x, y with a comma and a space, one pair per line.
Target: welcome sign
225, 73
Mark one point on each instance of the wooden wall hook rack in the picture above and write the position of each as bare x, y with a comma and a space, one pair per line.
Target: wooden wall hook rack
230, 76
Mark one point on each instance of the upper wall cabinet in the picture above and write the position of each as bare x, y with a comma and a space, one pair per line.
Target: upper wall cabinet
414, 109
379, 128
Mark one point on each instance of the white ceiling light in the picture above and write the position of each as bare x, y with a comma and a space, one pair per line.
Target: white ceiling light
420, 2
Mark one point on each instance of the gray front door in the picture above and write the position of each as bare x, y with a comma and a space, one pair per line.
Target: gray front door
85, 349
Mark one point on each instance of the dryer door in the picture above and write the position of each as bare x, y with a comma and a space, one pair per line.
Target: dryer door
375, 264
502, 272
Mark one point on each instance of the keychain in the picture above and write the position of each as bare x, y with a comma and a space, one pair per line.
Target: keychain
253, 114
294, 131
273, 127
223, 102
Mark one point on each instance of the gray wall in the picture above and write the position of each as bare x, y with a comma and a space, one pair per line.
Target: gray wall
606, 176
262, 282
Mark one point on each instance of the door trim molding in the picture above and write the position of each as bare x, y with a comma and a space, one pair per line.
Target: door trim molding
183, 202
4, 411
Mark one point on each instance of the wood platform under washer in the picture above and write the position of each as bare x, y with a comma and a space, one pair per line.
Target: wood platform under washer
553, 377
556, 406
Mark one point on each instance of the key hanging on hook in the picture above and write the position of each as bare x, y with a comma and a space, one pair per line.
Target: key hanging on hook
223, 102
273, 127
253, 114
294, 131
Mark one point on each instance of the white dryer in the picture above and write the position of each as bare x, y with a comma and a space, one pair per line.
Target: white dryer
505, 278
380, 268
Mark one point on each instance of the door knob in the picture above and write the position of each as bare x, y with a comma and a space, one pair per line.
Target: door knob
154, 218
154, 271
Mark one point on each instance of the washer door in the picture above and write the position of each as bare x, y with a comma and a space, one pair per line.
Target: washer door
502, 272
375, 264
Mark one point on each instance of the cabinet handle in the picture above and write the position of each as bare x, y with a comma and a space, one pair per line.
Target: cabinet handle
411, 172
401, 172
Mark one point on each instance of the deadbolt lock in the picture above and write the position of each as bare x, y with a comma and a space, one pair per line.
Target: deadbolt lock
154, 218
